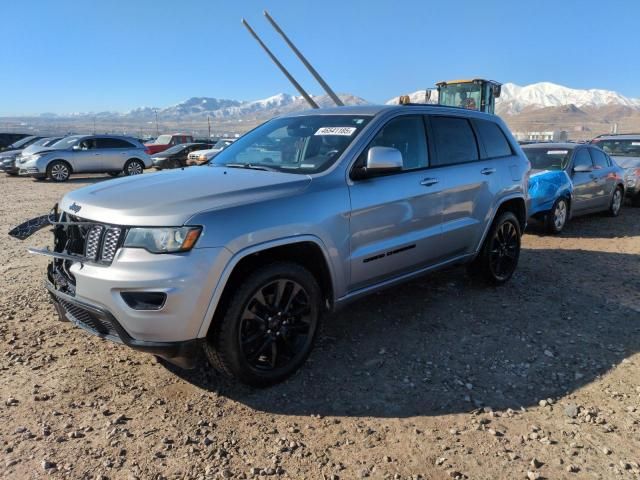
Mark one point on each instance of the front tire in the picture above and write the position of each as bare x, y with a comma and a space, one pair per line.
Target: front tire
616, 202
557, 218
58, 171
268, 327
498, 257
133, 167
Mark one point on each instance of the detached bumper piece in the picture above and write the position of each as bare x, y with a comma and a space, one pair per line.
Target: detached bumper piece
102, 323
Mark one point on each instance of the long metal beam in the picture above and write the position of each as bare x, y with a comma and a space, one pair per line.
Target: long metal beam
305, 62
286, 73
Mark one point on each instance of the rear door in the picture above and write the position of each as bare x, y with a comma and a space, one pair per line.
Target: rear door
395, 218
604, 178
114, 153
584, 185
468, 182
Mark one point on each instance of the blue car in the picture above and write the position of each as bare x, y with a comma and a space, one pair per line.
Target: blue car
550, 187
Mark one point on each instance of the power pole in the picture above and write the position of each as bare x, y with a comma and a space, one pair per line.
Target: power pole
209, 122
157, 128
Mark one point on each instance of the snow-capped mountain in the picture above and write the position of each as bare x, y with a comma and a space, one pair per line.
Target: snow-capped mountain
419, 96
515, 98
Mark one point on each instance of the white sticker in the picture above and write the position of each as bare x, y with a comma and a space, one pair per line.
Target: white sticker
557, 152
344, 131
635, 144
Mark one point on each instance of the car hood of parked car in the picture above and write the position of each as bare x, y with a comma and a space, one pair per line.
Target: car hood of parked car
10, 153
171, 197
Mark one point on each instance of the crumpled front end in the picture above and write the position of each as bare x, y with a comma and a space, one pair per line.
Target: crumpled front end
545, 187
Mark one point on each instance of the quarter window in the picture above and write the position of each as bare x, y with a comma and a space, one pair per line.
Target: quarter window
454, 141
599, 158
406, 134
493, 138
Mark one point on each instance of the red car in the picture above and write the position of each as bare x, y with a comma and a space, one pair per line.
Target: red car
166, 141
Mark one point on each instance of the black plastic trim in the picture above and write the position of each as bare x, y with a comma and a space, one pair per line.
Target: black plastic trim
184, 354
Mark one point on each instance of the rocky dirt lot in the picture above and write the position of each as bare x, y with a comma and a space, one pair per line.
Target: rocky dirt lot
439, 378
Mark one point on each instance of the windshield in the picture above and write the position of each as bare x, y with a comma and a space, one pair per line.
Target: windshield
465, 95
620, 148
220, 144
66, 142
21, 143
175, 149
548, 158
306, 144
163, 140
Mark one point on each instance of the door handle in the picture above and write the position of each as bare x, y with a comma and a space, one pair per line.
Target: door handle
487, 171
427, 182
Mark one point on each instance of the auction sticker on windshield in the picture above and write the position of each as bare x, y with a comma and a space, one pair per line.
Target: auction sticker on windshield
557, 152
346, 131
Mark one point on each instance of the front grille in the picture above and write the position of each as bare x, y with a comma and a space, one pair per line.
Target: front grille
88, 319
89, 241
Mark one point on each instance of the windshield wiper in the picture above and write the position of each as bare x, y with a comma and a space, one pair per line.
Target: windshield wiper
250, 166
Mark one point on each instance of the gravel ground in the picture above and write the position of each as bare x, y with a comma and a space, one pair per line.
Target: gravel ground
439, 378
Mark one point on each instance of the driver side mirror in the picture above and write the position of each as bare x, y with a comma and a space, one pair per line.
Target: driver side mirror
582, 169
380, 160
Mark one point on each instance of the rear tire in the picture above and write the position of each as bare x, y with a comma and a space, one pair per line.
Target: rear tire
133, 167
58, 171
268, 327
616, 202
557, 217
498, 257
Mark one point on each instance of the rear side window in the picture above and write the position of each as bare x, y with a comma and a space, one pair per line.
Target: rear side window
112, 143
599, 158
454, 141
582, 158
493, 138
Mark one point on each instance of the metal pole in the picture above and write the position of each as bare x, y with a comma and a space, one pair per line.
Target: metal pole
157, 128
209, 122
281, 67
312, 70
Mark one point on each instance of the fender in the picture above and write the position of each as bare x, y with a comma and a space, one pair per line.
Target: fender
238, 256
494, 210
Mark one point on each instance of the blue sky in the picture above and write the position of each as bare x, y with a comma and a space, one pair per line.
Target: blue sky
65, 56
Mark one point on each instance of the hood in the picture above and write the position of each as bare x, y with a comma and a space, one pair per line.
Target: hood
171, 197
10, 153
627, 162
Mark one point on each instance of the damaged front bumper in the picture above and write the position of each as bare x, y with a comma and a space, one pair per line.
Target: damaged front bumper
70, 259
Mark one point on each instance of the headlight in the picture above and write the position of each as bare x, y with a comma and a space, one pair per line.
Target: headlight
202, 158
163, 239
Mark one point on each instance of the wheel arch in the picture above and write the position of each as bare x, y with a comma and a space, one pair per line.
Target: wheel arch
515, 204
67, 162
307, 251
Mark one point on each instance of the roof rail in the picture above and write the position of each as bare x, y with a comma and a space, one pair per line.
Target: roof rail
615, 134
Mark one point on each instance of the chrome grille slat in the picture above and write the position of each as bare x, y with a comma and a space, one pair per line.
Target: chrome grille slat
92, 242
110, 243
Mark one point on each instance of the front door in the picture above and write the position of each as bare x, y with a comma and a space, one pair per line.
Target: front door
86, 158
395, 219
584, 185
605, 179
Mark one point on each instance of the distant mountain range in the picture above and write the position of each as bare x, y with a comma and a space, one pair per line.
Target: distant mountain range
539, 106
515, 99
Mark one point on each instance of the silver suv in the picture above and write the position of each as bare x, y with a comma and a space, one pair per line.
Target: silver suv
299, 216
86, 154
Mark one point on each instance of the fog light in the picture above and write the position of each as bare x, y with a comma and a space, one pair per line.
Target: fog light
144, 300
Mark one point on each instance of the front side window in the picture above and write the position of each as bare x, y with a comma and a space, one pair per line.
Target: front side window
582, 159
406, 134
454, 141
66, 142
544, 158
599, 158
305, 144
493, 138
